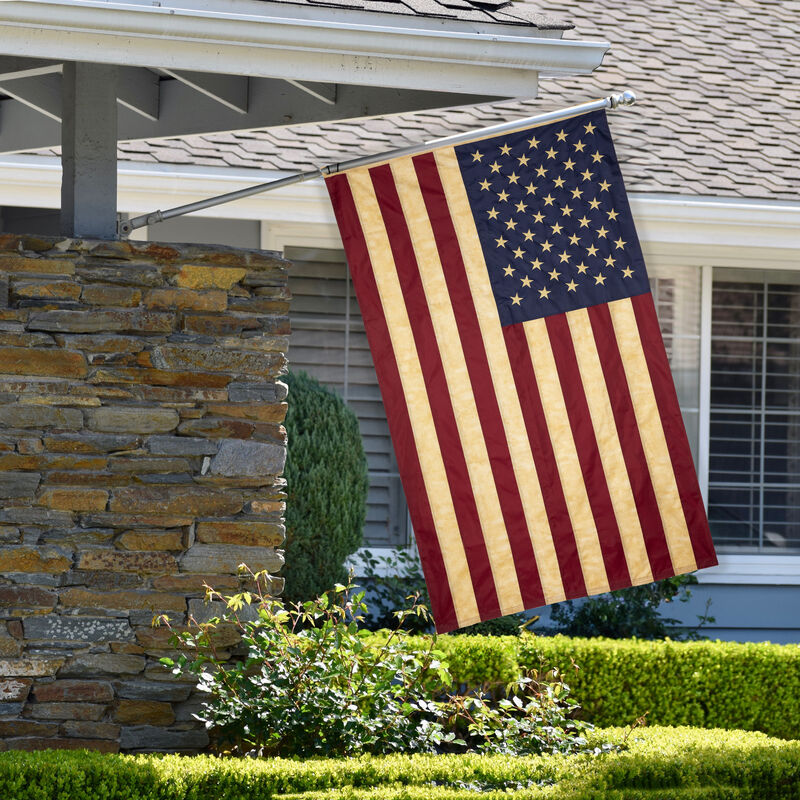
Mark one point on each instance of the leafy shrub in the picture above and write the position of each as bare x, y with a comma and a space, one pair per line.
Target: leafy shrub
311, 682
662, 763
326, 477
625, 613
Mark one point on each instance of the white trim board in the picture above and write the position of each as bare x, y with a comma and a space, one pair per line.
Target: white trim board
722, 231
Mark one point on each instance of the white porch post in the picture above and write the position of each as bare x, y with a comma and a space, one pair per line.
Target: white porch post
89, 150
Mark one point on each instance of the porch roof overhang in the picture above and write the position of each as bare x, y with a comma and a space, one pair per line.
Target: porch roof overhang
298, 43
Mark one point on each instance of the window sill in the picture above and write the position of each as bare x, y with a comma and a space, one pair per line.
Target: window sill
754, 568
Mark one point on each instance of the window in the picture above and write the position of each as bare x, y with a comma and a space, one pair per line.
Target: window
328, 342
754, 447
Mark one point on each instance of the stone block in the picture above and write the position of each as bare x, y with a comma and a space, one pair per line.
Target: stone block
90, 730
191, 583
122, 321
55, 627
26, 597
148, 466
197, 277
186, 299
144, 712
154, 739
104, 664
144, 275
74, 691
86, 711
26, 727
153, 690
181, 446
132, 419
30, 667
14, 689
42, 743
239, 392
100, 295
211, 558
185, 357
86, 442
24, 515
30, 416
150, 540
176, 500
257, 412
217, 428
40, 266
116, 561
52, 290
221, 324
117, 520
248, 458
31, 559
252, 534
29, 446
74, 499
19, 484
146, 601
52, 362
11, 710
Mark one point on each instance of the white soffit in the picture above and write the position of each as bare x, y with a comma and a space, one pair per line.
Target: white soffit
261, 39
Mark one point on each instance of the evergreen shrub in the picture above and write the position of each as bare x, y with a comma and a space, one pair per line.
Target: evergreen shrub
650, 764
707, 684
326, 477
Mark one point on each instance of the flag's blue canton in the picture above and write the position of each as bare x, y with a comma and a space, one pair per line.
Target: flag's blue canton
553, 218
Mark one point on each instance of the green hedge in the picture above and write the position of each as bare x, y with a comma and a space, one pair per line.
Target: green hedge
704, 684
657, 764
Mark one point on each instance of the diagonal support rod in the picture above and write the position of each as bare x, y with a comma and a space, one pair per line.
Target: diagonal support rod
125, 227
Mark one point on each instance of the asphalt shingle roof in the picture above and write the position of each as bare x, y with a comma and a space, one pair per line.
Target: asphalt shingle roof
718, 111
501, 11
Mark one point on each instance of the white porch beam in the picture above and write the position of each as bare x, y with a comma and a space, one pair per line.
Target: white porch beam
183, 112
228, 90
495, 60
42, 93
138, 91
324, 92
12, 67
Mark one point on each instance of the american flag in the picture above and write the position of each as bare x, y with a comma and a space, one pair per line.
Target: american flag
528, 392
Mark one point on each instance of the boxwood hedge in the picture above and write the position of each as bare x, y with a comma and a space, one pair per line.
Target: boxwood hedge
663, 763
705, 684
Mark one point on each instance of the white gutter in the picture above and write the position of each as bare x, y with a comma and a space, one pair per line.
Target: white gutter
269, 45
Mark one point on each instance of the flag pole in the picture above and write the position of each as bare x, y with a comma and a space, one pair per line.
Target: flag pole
627, 98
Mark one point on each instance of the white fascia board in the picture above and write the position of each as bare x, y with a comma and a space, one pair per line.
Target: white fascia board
716, 222
261, 43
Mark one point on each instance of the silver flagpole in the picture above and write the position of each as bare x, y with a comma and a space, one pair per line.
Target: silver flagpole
627, 98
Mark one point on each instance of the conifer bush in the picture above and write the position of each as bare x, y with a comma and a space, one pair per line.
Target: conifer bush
326, 476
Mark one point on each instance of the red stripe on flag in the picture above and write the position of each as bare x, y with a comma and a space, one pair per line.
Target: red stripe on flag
480, 375
594, 478
674, 430
630, 441
438, 393
546, 468
394, 401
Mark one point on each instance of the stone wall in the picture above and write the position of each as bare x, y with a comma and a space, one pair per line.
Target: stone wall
140, 448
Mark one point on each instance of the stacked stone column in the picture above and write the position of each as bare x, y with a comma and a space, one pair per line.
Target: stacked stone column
140, 452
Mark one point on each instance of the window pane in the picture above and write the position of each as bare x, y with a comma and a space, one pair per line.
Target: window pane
754, 448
